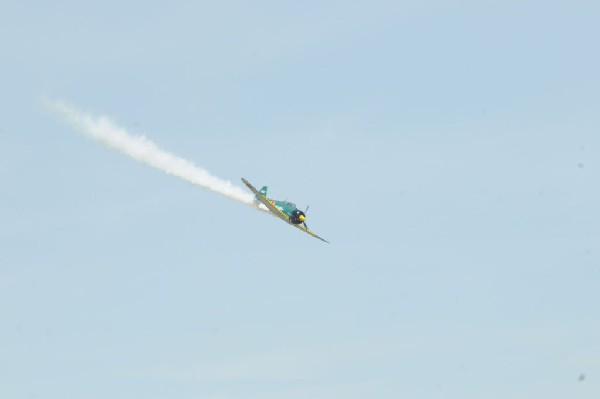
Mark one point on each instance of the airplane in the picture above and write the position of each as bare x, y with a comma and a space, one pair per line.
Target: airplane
283, 210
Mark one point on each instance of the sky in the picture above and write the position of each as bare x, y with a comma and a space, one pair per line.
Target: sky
449, 151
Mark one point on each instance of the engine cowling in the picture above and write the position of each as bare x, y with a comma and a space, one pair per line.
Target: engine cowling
297, 216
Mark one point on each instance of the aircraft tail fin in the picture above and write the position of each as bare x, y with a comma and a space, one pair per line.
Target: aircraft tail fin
263, 191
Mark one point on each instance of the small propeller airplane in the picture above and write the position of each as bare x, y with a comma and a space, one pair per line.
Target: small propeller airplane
283, 210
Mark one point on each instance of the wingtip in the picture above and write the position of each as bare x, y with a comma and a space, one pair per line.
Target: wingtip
322, 239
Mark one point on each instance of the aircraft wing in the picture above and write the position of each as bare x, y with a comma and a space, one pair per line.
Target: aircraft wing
276, 210
266, 202
307, 231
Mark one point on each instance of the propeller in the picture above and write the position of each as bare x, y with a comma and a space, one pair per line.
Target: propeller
304, 223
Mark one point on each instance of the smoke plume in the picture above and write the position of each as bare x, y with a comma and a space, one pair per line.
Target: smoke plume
143, 150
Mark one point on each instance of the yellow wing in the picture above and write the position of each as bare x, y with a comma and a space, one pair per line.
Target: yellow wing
278, 212
266, 202
304, 229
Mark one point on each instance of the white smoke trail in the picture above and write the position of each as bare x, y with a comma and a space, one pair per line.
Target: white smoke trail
143, 150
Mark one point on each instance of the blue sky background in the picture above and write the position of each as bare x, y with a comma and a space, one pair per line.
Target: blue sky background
449, 151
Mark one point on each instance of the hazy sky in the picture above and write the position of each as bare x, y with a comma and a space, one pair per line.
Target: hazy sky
450, 151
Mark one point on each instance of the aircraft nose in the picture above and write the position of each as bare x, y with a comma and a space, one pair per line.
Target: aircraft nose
302, 218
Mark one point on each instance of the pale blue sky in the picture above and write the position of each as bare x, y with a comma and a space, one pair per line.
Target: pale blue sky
448, 150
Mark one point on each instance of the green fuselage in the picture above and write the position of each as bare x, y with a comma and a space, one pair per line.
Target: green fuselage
286, 207
295, 215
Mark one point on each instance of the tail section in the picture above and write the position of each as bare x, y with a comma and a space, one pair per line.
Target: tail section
263, 190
